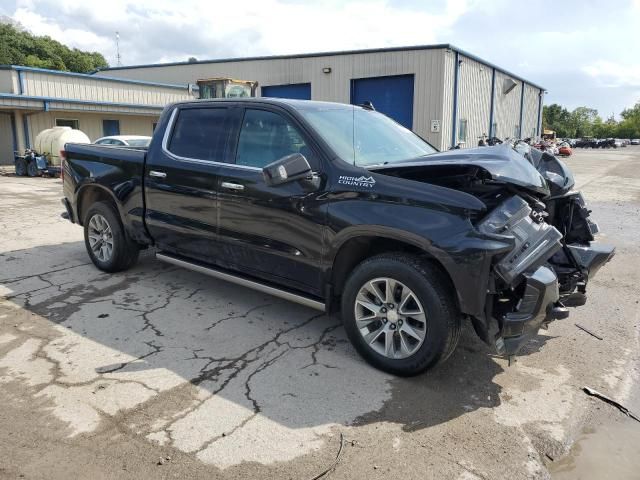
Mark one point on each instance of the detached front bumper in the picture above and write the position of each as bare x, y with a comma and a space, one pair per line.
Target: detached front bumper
538, 305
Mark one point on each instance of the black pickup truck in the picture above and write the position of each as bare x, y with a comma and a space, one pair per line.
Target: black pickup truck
340, 208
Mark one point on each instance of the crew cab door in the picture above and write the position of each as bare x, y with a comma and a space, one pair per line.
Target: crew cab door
273, 232
181, 177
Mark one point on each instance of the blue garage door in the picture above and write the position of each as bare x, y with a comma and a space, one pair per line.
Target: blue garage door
298, 91
392, 96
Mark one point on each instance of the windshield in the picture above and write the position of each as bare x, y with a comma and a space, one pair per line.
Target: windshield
139, 142
364, 137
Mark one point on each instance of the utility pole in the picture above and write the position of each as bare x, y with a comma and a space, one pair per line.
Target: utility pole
118, 58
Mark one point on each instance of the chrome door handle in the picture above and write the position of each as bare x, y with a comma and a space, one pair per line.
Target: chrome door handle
233, 186
155, 173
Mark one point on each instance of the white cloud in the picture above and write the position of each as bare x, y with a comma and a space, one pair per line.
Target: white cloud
582, 52
613, 74
164, 30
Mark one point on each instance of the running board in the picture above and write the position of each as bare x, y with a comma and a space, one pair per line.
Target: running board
261, 287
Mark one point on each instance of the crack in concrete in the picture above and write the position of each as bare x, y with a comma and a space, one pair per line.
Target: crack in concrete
236, 365
234, 316
26, 277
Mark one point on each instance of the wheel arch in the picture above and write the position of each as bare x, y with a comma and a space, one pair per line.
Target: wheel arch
89, 194
361, 244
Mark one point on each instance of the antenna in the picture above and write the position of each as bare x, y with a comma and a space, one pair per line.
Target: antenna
118, 57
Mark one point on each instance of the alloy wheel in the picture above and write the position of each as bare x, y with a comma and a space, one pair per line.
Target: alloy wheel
100, 238
390, 318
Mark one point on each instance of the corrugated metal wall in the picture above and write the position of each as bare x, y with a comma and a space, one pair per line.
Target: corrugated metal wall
6, 140
507, 107
474, 98
8, 81
44, 84
446, 126
530, 115
91, 123
434, 84
426, 65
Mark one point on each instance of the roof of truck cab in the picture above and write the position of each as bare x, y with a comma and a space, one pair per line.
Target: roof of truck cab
297, 104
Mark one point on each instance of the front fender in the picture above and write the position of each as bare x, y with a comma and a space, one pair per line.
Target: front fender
449, 238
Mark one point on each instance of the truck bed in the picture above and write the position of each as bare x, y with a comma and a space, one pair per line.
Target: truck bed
107, 170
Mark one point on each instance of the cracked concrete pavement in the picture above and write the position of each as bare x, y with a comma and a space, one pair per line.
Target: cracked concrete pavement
159, 372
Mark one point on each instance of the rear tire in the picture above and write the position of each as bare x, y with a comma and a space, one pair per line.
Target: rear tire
107, 243
21, 167
32, 169
417, 341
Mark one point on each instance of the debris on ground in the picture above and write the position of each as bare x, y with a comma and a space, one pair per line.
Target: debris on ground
584, 329
603, 397
335, 462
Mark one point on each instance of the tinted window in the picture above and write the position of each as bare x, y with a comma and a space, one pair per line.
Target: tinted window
66, 122
200, 133
139, 142
266, 137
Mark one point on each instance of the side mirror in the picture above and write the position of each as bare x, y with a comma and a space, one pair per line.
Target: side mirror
287, 169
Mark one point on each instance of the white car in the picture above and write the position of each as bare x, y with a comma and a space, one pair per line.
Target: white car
125, 141
635, 141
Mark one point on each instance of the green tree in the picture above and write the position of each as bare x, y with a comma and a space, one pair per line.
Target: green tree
556, 117
581, 121
19, 47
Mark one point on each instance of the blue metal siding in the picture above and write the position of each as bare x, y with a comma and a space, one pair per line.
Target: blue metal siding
392, 96
296, 91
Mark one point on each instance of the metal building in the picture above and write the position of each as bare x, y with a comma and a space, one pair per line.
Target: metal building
34, 99
444, 94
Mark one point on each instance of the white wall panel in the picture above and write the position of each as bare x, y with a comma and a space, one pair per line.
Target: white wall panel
426, 65
43, 84
474, 98
91, 123
530, 116
507, 107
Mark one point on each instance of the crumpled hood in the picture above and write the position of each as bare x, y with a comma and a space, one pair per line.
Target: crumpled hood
502, 162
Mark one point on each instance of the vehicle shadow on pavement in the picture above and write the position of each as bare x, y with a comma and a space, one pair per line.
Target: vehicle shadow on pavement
201, 357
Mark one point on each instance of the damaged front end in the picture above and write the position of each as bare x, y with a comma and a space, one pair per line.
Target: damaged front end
532, 206
552, 259
524, 292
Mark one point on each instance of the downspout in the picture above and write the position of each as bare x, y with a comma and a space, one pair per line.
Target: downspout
14, 132
456, 69
20, 83
493, 103
539, 125
521, 110
25, 126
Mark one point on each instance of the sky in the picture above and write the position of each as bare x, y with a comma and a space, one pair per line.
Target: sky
584, 52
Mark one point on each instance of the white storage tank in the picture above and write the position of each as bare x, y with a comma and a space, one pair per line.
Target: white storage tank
49, 142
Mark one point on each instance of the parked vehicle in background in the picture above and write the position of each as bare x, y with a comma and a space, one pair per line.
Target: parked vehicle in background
340, 208
617, 143
138, 141
635, 141
44, 157
564, 149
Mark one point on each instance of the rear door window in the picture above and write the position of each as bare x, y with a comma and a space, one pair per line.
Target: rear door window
200, 133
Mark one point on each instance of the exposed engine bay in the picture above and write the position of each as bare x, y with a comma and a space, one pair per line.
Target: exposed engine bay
530, 202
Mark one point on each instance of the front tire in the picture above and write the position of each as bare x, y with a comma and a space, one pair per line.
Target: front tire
108, 245
32, 169
399, 314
